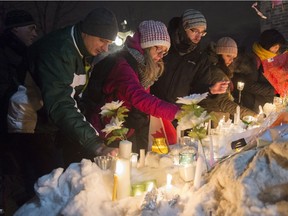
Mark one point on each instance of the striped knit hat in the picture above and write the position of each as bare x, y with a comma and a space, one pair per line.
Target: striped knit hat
153, 33
192, 18
226, 45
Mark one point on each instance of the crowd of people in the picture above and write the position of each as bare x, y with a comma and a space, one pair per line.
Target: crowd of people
50, 117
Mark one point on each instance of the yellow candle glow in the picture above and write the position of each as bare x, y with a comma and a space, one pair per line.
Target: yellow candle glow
114, 193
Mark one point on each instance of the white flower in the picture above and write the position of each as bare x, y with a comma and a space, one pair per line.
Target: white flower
108, 107
190, 120
113, 125
192, 99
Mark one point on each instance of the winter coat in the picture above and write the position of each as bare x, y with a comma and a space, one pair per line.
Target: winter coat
223, 102
58, 69
186, 68
257, 89
123, 83
13, 67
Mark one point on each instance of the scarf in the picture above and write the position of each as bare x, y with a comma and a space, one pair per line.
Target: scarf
181, 42
261, 52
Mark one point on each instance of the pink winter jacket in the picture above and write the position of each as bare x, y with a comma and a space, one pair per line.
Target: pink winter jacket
124, 83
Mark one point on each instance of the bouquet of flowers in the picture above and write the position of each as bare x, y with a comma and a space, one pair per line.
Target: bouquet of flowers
115, 128
192, 116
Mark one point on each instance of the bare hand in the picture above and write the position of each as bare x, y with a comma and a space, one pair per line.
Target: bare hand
219, 87
109, 151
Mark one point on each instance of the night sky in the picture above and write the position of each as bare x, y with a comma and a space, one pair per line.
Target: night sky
224, 18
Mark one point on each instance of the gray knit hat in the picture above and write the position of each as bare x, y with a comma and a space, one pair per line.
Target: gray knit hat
100, 22
226, 45
18, 18
153, 33
192, 18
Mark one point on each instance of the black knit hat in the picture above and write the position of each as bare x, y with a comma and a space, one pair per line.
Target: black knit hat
100, 22
271, 37
18, 18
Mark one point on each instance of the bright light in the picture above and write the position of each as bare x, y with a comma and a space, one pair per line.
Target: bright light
118, 41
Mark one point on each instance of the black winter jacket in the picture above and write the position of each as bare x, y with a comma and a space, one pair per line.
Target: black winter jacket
185, 73
13, 67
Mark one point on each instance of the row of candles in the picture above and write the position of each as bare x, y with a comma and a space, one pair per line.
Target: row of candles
122, 187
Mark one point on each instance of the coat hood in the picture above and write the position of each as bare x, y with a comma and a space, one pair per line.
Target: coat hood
134, 42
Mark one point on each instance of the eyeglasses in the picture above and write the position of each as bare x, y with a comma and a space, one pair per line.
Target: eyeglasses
160, 52
196, 31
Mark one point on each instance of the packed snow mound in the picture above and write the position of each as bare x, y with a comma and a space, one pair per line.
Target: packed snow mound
254, 182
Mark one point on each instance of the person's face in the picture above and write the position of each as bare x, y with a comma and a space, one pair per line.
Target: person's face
275, 48
95, 45
26, 34
228, 59
158, 52
195, 34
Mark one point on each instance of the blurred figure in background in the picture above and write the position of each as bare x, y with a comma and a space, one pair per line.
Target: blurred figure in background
248, 69
222, 55
19, 34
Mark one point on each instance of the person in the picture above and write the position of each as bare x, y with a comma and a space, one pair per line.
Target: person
186, 67
59, 65
222, 55
248, 69
135, 69
19, 33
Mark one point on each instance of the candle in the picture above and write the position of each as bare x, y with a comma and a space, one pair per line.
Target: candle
187, 172
168, 181
142, 158
134, 159
240, 86
123, 176
115, 185
125, 149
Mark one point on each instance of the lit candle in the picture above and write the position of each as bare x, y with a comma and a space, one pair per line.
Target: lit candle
123, 176
115, 185
125, 149
240, 86
134, 159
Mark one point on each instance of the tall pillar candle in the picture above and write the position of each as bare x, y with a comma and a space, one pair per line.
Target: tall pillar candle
125, 149
123, 177
141, 158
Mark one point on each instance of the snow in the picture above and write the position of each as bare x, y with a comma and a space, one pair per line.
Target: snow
254, 182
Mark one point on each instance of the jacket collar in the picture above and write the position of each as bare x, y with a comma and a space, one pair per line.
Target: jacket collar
78, 41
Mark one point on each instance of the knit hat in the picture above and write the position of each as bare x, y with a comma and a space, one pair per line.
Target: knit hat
226, 45
18, 18
100, 22
270, 38
153, 33
192, 18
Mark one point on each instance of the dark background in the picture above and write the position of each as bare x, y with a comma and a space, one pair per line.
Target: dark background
224, 18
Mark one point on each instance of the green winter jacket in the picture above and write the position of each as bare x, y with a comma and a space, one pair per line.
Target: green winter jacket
58, 69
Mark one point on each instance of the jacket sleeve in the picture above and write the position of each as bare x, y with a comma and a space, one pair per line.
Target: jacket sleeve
227, 105
56, 76
125, 82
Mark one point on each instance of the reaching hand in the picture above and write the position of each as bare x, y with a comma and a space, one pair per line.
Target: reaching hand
219, 87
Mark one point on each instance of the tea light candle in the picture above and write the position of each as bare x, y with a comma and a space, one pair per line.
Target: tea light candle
123, 178
125, 149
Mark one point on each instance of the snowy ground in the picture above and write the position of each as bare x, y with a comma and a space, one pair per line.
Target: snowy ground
251, 183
